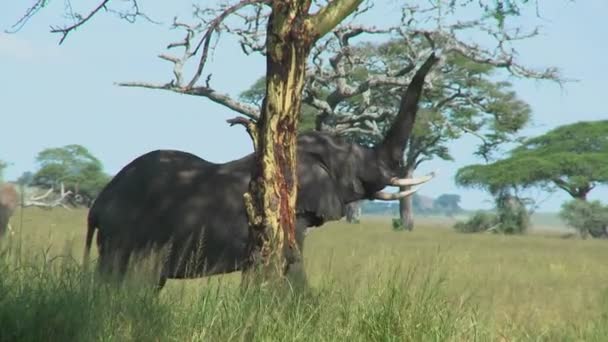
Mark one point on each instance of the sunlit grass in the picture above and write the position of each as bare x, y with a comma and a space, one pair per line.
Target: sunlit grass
368, 283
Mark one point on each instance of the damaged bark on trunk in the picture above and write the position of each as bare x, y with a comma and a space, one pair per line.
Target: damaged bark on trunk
271, 199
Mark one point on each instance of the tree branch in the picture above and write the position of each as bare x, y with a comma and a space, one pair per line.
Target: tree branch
250, 126
208, 92
212, 27
66, 30
38, 201
327, 18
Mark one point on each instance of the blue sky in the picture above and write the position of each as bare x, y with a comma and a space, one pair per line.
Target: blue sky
54, 95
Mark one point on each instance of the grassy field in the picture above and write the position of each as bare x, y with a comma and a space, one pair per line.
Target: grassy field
369, 283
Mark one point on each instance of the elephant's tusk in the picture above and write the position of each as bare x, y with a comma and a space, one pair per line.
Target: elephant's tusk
412, 181
386, 196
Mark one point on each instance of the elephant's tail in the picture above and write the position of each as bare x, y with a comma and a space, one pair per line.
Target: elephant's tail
91, 226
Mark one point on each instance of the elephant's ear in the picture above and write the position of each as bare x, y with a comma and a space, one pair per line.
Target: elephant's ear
318, 193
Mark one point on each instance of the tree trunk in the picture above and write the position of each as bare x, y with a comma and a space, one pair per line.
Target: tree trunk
353, 212
271, 199
272, 193
406, 208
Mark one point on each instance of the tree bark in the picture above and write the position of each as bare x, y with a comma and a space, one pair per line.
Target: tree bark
406, 207
271, 199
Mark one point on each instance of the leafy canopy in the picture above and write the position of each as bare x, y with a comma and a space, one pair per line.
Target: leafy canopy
463, 99
72, 165
573, 158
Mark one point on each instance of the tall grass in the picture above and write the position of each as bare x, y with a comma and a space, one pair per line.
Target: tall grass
368, 284
56, 300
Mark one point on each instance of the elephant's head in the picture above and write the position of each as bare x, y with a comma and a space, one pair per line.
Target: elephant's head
333, 172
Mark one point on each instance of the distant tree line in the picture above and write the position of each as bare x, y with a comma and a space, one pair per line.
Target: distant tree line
446, 204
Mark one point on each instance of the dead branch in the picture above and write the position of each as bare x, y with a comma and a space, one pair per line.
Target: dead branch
214, 26
79, 20
41, 202
66, 30
192, 46
208, 92
250, 126
29, 13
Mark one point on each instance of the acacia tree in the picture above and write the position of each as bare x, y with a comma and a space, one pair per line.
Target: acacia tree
572, 158
285, 31
353, 87
74, 167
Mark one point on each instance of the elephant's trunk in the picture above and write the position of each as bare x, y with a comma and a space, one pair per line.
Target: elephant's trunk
394, 143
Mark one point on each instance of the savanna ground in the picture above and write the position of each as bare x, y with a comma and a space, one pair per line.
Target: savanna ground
369, 283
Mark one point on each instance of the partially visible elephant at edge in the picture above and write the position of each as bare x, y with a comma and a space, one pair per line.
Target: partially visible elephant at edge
9, 199
195, 208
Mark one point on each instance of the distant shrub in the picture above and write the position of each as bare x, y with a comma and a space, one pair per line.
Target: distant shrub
588, 218
511, 217
481, 221
398, 224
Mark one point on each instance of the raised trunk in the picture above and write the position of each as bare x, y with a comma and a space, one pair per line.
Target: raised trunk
393, 145
406, 207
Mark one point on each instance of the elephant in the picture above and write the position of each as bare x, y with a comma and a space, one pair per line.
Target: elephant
9, 199
195, 208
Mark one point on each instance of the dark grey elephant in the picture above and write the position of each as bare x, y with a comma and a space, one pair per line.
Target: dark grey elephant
195, 208
9, 199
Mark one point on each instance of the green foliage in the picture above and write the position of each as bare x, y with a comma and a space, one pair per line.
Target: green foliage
397, 224
72, 165
26, 178
588, 218
510, 217
480, 222
465, 98
573, 158
255, 96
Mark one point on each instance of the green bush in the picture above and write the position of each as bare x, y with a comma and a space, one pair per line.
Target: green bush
397, 224
481, 221
511, 217
588, 218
